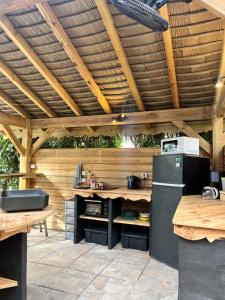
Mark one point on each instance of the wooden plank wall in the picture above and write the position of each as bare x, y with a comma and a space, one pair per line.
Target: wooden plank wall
57, 168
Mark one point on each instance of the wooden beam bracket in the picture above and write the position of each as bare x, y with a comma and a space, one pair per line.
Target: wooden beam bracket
11, 136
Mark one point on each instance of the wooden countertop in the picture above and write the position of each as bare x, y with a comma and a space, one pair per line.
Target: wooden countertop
13, 223
133, 195
196, 218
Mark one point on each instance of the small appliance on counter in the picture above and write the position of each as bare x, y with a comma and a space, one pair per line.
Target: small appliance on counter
96, 208
210, 193
133, 182
180, 145
23, 200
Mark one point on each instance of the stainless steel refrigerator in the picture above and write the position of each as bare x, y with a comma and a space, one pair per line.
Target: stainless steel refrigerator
173, 176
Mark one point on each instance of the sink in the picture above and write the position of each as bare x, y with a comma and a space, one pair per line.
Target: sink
23, 200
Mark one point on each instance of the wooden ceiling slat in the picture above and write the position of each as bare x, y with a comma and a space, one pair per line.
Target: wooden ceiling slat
217, 7
58, 30
25, 48
13, 105
13, 5
119, 50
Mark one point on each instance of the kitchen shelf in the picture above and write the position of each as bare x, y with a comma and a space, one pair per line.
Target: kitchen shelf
101, 219
131, 222
7, 283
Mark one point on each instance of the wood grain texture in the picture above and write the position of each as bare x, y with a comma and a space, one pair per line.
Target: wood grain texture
197, 218
217, 7
6, 283
158, 116
121, 192
55, 169
20, 221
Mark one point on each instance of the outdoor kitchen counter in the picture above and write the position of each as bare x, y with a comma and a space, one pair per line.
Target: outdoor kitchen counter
200, 225
196, 218
133, 195
13, 251
13, 223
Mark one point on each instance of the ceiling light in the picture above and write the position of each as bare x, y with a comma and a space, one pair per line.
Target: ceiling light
219, 84
120, 118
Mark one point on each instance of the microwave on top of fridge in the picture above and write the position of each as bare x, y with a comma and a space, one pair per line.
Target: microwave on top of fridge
180, 145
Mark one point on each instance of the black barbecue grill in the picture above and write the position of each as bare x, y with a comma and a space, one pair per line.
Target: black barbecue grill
23, 200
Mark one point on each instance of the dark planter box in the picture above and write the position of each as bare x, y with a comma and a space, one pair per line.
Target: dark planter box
96, 235
201, 270
135, 240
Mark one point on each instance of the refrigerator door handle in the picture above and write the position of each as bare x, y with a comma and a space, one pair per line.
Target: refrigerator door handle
168, 184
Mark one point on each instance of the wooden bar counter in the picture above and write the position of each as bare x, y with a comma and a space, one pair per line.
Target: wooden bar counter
200, 224
13, 251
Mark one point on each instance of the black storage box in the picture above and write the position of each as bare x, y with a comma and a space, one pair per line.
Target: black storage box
23, 200
135, 240
96, 235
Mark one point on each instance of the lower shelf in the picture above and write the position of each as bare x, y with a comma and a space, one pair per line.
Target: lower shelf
7, 283
131, 222
101, 219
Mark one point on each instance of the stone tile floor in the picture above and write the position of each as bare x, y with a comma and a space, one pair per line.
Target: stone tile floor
60, 270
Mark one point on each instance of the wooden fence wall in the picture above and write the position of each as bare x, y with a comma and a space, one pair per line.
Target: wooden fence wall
56, 169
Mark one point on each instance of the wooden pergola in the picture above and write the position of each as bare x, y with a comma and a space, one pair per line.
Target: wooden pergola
99, 109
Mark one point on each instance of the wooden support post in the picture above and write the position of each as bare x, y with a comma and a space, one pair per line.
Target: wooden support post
218, 142
25, 160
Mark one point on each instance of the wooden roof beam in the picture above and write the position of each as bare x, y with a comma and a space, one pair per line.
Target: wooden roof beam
12, 120
167, 37
13, 5
40, 141
160, 116
7, 72
26, 49
11, 136
13, 105
189, 131
60, 33
219, 102
119, 50
217, 7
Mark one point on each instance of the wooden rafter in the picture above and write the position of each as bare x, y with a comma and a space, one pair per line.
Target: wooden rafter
217, 7
119, 50
219, 102
11, 136
189, 131
60, 33
45, 135
12, 120
161, 116
26, 49
7, 72
13, 105
167, 37
13, 5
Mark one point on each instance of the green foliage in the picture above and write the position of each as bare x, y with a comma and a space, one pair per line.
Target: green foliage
9, 163
84, 142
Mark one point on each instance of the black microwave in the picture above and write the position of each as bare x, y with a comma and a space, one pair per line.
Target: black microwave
96, 208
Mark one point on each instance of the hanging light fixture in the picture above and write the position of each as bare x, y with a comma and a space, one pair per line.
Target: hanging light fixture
120, 118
